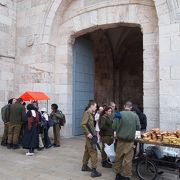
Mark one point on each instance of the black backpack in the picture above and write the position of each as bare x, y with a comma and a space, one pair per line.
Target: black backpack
5, 113
62, 120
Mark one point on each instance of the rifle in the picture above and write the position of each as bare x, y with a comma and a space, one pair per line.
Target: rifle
94, 138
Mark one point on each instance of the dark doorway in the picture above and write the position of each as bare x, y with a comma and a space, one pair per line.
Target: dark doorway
118, 56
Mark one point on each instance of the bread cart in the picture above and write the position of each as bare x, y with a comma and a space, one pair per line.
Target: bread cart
148, 163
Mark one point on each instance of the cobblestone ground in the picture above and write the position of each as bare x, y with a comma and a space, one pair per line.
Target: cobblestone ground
62, 163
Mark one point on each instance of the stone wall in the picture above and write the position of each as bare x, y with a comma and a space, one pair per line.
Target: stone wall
35, 68
43, 45
7, 50
169, 63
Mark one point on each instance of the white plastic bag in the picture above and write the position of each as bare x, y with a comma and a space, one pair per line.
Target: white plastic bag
109, 150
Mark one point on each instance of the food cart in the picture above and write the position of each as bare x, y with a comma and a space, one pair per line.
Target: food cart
148, 164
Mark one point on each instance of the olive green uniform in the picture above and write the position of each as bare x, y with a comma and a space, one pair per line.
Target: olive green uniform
56, 117
90, 152
17, 117
5, 133
125, 131
106, 133
5, 117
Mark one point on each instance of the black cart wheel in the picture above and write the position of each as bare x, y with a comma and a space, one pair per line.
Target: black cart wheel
146, 170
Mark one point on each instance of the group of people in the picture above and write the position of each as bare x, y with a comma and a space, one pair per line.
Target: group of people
111, 126
28, 125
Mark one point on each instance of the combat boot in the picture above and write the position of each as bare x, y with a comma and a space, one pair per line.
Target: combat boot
85, 167
106, 164
3, 143
15, 146
120, 177
95, 173
9, 146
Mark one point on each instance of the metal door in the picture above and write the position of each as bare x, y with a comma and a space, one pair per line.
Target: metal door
83, 80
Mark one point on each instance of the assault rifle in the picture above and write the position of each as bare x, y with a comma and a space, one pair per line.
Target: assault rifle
94, 138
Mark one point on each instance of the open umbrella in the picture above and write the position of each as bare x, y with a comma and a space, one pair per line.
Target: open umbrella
31, 95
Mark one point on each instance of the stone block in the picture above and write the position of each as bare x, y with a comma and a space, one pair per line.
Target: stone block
165, 73
171, 101
150, 75
101, 14
164, 19
169, 59
61, 50
61, 77
5, 20
46, 87
175, 72
151, 51
175, 43
164, 44
61, 68
149, 39
162, 9
2, 95
151, 101
170, 87
88, 19
168, 30
149, 27
3, 84
44, 67
7, 75
63, 88
12, 14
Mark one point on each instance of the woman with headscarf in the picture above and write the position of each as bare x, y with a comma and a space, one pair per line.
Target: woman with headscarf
30, 139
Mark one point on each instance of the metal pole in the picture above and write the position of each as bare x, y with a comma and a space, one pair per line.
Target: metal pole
47, 106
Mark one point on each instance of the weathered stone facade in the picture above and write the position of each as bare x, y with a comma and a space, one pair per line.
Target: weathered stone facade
37, 37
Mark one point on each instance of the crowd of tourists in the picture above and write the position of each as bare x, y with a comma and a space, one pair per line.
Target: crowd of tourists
111, 126
28, 125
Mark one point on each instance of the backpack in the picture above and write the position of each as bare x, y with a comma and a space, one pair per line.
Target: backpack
143, 120
62, 120
5, 113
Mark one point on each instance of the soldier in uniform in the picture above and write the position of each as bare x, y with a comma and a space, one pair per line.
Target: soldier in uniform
106, 133
90, 152
17, 117
125, 128
5, 117
56, 116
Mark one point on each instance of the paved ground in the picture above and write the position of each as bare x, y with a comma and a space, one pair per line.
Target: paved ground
62, 163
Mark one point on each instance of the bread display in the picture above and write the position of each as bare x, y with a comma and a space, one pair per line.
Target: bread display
165, 137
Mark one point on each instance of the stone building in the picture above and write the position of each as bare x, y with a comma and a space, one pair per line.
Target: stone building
76, 50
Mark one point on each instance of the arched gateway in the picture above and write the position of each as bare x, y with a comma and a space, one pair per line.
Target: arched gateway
118, 42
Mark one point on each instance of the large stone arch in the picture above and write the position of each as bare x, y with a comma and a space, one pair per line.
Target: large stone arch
64, 22
105, 15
